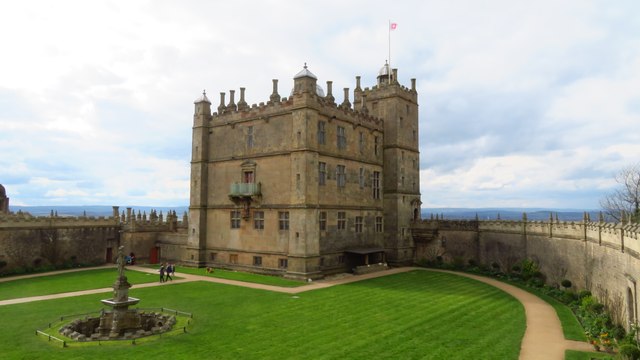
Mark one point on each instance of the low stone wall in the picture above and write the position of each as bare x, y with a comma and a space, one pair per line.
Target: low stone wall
601, 257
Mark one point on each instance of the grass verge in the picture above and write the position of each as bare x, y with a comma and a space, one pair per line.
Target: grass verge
67, 282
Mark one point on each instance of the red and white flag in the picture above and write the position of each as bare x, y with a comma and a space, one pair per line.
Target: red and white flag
393, 26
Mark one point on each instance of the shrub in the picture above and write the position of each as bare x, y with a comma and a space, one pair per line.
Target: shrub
566, 283
472, 263
629, 351
529, 267
515, 268
583, 294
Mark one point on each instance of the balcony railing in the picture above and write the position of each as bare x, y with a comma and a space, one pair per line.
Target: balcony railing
244, 189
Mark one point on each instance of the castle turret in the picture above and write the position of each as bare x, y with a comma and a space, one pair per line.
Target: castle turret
4, 200
199, 177
398, 107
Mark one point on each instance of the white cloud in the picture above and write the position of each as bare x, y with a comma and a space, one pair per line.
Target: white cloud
520, 103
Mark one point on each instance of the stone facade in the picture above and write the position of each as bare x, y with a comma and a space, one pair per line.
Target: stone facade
303, 186
601, 257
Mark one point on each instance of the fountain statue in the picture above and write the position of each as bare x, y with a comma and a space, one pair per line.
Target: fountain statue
119, 322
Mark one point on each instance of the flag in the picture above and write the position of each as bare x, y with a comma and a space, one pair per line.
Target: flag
393, 26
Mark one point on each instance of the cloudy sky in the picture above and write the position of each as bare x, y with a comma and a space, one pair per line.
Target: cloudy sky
522, 103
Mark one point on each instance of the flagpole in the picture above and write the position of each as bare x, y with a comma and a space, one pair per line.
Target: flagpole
389, 67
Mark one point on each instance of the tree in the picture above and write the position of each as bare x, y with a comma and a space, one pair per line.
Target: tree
625, 200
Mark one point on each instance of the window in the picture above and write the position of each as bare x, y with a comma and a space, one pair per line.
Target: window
402, 181
250, 137
321, 261
235, 219
283, 263
321, 133
342, 138
340, 259
233, 258
323, 220
341, 175
257, 261
379, 224
376, 185
342, 220
375, 145
361, 142
361, 178
358, 224
283, 220
212, 256
322, 173
258, 220
408, 109
247, 177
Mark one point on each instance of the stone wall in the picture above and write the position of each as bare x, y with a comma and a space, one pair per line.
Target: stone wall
600, 257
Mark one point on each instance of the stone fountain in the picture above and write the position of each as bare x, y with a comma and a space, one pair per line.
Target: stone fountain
119, 322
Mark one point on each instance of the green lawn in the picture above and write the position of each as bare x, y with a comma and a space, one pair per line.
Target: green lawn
66, 282
579, 355
241, 276
415, 315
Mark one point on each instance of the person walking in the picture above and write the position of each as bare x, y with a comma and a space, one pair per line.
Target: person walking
162, 271
169, 271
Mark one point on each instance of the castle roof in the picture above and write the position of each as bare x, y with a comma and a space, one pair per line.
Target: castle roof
384, 71
202, 98
305, 72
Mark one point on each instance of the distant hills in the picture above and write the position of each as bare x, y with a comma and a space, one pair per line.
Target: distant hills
533, 214
93, 210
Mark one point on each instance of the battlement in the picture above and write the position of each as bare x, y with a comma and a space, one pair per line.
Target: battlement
620, 236
22, 220
231, 113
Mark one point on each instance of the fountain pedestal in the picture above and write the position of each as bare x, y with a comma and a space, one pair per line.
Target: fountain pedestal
116, 322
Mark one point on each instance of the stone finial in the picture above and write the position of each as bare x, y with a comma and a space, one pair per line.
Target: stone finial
275, 97
557, 219
329, 96
345, 102
242, 104
413, 84
498, 218
395, 76
524, 216
551, 217
601, 217
477, 217
232, 103
221, 108
357, 84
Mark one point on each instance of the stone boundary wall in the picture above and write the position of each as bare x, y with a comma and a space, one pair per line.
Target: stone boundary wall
601, 257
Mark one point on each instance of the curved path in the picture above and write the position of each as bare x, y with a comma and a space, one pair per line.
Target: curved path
543, 338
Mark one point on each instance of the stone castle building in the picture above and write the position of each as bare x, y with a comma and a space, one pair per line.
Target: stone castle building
302, 185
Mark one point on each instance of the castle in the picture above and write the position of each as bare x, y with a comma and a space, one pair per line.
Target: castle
303, 186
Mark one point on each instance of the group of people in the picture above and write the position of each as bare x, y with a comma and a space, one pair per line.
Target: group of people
166, 270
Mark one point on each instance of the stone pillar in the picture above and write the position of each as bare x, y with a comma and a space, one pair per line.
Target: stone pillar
413, 84
232, 105
345, 102
221, 108
242, 104
275, 97
329, 96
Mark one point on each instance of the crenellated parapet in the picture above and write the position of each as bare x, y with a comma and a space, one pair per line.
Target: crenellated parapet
231, 113
619, 236
133, 221
22, 221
